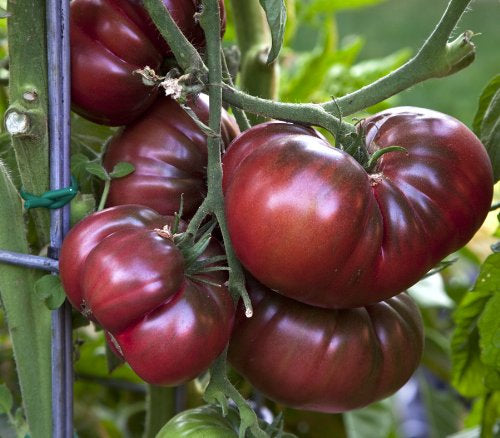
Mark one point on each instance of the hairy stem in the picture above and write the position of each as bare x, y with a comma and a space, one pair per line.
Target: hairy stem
436, 58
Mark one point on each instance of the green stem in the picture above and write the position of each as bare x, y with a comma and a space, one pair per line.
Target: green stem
28, 101
160, 407
105, 194
239, 114
28, 319
436, 58
186, 55
257, 77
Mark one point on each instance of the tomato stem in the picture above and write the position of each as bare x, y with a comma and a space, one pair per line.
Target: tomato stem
372, 161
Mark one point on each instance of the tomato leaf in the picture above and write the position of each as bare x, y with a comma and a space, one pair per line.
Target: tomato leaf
486, 124
375, 421
6, 400
96, 169
484, 101
276, 17
489, 322
49, 290
122, 169
471, 341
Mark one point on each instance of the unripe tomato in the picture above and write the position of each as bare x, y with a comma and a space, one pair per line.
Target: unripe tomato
326, 360
169, 153
309, 221
110, 39
117, 269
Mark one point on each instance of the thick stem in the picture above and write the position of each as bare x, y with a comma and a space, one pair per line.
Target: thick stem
28, 319
28, 101
435, 59
257, 77
160, 407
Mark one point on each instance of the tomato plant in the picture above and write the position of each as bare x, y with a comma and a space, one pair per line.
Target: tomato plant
118, 269
309, 221
325, 359
112, 39
169, 153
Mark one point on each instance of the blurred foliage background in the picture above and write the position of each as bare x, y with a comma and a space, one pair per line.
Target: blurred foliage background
331, 47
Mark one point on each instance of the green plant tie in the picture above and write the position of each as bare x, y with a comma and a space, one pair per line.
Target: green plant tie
52, 199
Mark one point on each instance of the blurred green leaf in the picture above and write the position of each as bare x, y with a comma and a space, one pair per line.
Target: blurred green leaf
484, 101
121, 169
490, 133
469, 372
375, 421
443, 409
489, 324
276, 17
430, 292
98, 170
314, 7
4, 13
6, 401
49, 290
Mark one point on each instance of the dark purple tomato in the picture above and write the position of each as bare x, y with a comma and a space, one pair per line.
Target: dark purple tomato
309, 221
326, 360
169, 153
122, 273
110, 39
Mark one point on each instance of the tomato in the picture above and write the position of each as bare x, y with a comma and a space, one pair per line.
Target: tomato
122, 273
326, 360
110, 39
309, 221
208, 422
169, 153
202, 422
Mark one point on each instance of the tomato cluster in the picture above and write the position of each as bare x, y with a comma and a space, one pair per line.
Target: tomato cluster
119, 271
110, 40
330, 245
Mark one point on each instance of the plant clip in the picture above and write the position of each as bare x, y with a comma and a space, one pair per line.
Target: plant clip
52, 199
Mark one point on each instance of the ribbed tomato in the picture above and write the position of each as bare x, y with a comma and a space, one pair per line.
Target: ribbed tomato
309, 221
325, 359
110, 39
169, 153
119, 270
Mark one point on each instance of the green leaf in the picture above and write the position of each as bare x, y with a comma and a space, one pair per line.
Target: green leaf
468, 371
490, 134
484, 101
375, 421
276, 17
331, 6
489, 324
96, 169
122, 169
6, 400
49, 290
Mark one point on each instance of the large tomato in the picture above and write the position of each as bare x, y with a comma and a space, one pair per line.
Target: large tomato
307, 220
110, 39
169, 153
123, 274
326, 360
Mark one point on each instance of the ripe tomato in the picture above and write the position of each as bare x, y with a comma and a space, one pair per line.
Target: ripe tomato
326, 360
308, 221
110, 39
169, 153
118, 270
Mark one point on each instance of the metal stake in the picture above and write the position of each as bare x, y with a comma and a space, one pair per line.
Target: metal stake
57, 17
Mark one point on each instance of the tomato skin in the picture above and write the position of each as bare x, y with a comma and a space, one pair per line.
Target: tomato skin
125, 276
169, 153
308, 221
110, 39
326, 360
86, 234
